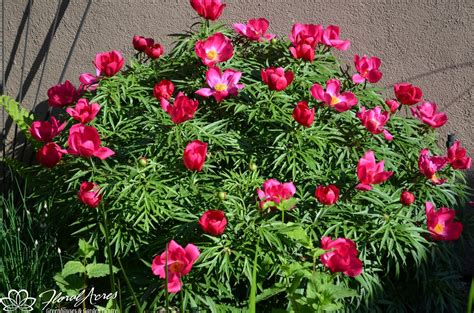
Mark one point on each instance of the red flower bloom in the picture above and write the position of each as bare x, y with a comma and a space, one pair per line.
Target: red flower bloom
177, 262
332, 97
407, 198
327, 195
89, 194
277, 78
183, 108
163, 90
50, 154
84, 112
215, 49
407, 93
457, 157
45, 131
304, 38
108, 63
154, 51
426, 112
369, 172
368, 68
140, 43
342, 256
84, 141
254, 30
393, 105
213, 222
88, 82
209, 9
195, 155
441, 223
331, 38
374, 121
275, 191
303, 114
62, 94
429, 165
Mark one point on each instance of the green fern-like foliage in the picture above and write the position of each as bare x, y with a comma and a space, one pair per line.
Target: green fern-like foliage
253, 137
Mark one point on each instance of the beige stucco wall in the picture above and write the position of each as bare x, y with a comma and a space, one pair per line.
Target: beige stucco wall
426, 42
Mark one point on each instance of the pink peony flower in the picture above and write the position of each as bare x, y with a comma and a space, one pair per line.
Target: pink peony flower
108, 63
342, 256
457, 157
331, 38
88, 82
50, 154
369, 172
84, 141
327, 195
441, 223
407, 93
275, 191
254, 30
393, 105
177, 262
426, 112
140, 43
183, 108
208, 9
221, 84
62, 94
215, 49
84, 112
163, 90
154, 51
304, 38
368, 69
332, 97
45, 131
213, 222
374, 121
89, 194
195, 155
429, 165
277, 78
303, 114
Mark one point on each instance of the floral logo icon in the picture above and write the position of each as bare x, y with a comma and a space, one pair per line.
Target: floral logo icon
17, 300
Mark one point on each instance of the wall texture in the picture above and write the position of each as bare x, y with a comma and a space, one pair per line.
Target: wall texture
426, 42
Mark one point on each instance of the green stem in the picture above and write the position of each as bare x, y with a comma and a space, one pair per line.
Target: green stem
167, 294
283, 216
109, 251
253, 287
135, 300
470, 301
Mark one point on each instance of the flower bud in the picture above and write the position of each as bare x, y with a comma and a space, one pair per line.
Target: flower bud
222, 195
407, 198
143, 161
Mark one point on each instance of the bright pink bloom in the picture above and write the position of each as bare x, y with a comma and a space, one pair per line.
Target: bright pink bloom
163, 90
457, 157
209, 9
368, 68
331, 38
427, 113
140, 43
222, 84
407, 198
195, 155
213, 222
327, 195
45, 131
393, 105
88, 82
342, 256
369, 172
407, 93
254, 30
84, 141
275, 191
374, 121
62, 94
215, 49
89, 194
303, 114
84, 112
441, 223
108, 63
177, 261
277, 78
332, 97
304, 38
50, 154
183, 108
154, 51
429, 165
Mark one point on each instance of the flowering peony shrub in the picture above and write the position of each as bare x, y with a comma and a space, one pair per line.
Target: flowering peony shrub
262, 157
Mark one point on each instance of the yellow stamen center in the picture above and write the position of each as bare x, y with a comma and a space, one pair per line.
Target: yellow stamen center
176, 267
211, 54
438, 229
334, 100
220, 87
